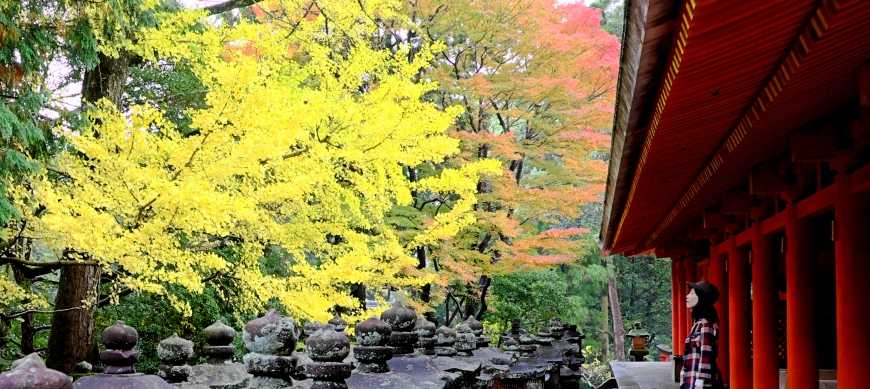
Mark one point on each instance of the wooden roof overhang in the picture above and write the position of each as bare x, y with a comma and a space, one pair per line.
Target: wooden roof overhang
737, 77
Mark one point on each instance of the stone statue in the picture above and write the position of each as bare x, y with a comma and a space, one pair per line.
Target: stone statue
119, 356
328, 349
174, 352
401, 320
270, 340
445, 338
372, 353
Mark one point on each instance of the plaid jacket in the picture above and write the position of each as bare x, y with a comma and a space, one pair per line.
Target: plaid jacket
699, 361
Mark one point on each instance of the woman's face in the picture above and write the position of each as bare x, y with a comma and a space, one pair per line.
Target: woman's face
691, 299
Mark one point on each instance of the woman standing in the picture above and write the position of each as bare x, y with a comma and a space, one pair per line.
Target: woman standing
699, 361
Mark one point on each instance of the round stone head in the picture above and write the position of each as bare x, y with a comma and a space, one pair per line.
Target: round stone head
424, 328
174, 350
311, 327
120, 336
328, 345
372, 332
272, 334
445, 336
219, 334
400, 318
475, 325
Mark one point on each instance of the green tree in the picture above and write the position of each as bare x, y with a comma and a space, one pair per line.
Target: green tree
645, 293
613, 19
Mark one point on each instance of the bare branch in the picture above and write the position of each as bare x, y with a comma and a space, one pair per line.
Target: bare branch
49, 264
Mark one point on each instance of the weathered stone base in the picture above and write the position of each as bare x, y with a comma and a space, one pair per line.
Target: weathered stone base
222, 376
482, 341
403, 342
173, 374
328, 385
426, 345
328, 375
445, 351
270, 383
218, 354
373, 359
269, 365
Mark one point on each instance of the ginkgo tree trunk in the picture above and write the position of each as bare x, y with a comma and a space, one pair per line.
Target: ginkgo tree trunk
72, 322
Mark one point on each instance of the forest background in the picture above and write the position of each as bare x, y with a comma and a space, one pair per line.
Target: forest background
203, 164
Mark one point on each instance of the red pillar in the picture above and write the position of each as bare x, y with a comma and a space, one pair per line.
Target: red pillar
675, 306
681, 305
717, 272
739, 318
852, 267
800, 266
765, 372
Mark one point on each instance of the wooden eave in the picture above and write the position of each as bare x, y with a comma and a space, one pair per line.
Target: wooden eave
646, 43
737, 80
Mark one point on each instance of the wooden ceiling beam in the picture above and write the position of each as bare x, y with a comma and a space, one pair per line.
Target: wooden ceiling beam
736, 203
714, 221
769, 180
815, 147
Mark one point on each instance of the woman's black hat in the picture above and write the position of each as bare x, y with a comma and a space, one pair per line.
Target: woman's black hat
706, 291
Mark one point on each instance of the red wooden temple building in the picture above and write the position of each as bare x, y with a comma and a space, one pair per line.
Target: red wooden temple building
740, 151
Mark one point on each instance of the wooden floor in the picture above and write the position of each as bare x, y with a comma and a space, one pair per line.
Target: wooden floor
644, 375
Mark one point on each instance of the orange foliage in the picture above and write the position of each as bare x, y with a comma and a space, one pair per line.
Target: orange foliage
502, 145
595, 139
540, 98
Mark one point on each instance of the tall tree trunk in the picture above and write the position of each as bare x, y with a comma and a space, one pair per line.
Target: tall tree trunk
517, 168
605, 327
72, 325
616, 318
485, 281
26, 320
422, 260
358, 291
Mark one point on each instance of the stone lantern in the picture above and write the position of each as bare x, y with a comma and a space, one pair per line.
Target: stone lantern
328, 349
665, 352
466, 342
477, 327
639, 338
219, 370
219, 346
557, 328
372, 351
445, 338
120, 355
425, 335
309, 328
402, 321
270, 341
174, 352
528, 345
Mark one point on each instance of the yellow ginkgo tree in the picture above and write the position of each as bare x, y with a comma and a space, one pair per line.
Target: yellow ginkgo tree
300, 149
